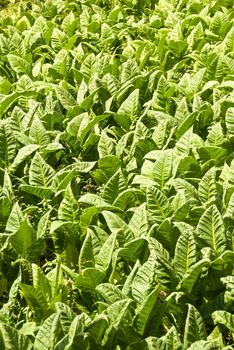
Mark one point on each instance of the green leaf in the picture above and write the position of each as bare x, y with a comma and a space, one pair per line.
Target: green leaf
106, 146
109, 292
225, 318
7, 144
89, 279
8, 100
38, 191
218, 154
11, 339
40, 173
115, 185
185, 251
125, 199
15, 219
22, 155
194, 327
38, 133
133, 249
48, 333
229, 120
162, 168
25, 243
210, 230
65, 98
35, 300
86, 257
104, 257
139, 221
43, 225
157, 204
19, 64
189, 279
93, 199
207, 190
143, 280
66, 316
118, 227
75, 331
41, 282
109, 165
146, 310
69, 207
131, 106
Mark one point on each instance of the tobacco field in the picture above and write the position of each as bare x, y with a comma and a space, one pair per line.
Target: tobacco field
117, 175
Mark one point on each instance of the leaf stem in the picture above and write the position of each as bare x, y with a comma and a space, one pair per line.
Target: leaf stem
58, 267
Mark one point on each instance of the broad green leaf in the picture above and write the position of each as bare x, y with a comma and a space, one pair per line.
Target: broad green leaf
225, 318
146, 310
157, 204
22, 155
118, 227
38, 191
12, 339
109, 292
185, 251
162, 168
38, 133
66, 316
36, 301
144, 280
131, 106
86, 257
41, 282
19, 64
43, 225
216, 135
194, 327
229, 120
65, 98
210, 230
48, 333
105, 145
40, 173
139, 221
93, 199
76, 329
89, 279
104, 257
217, 154
133, 249
15, 219
69, 207
7, 144
125, 199
189, 279
25, 243
207, 190
115, 185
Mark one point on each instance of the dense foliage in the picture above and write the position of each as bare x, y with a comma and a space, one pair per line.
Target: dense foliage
117, 175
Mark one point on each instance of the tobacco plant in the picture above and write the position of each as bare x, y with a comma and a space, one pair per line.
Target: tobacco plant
117, 175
